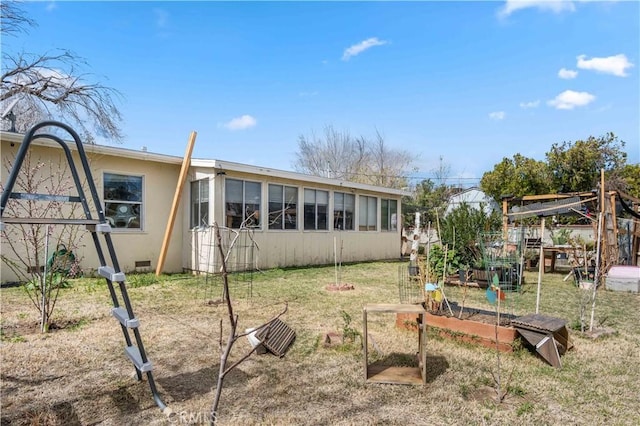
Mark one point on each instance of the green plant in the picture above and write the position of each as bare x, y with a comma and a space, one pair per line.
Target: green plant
561, 237
525, 408
95, 284
436, 264
461, 227
516, 390
349, 334
142, 280
77, 325
14, 338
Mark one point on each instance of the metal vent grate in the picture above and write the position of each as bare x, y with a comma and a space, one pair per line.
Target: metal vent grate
277, 337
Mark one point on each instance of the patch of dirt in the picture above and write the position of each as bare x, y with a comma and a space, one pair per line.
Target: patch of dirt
597, 333
487, 395
475, 314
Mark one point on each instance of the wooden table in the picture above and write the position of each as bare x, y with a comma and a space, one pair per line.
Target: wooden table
376, 373
554, 251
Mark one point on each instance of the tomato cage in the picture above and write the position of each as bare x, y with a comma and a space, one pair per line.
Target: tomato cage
502, 258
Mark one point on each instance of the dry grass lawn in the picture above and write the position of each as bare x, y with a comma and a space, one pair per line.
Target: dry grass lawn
78, 373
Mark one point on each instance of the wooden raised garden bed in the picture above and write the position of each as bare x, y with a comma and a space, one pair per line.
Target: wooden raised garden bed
477, 328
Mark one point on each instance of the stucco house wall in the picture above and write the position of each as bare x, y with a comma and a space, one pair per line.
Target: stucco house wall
159, 176
191, 246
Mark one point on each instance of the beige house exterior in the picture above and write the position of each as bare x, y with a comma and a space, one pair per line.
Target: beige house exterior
290, 219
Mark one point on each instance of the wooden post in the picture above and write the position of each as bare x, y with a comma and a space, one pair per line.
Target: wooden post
540, 265
505, 219
615, 248
603, 209
186, 162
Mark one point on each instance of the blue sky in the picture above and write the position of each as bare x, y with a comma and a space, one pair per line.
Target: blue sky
468, 82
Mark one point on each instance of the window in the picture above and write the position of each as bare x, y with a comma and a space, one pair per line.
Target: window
283, 207
344, 205
368, 213
389, 215
316, 206
242, 202
123, 200
199, 203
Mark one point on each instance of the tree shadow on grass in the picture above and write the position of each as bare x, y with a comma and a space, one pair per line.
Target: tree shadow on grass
124, 400
190, 384
62, 413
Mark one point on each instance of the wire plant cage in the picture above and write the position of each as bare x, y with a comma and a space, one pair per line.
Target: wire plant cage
410, 283
502, 257
238, 247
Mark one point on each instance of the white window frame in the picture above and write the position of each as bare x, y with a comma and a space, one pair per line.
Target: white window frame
285, 216
340, 211
250, 213
308, 203
389, 213
367, 213
197, 203
128, 207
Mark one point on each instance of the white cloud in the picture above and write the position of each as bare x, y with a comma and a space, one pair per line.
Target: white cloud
567, 74
162, 17
497, 115
51, 6
532, 104
555, 6
616, 65
357, 49
241, 123
570, 99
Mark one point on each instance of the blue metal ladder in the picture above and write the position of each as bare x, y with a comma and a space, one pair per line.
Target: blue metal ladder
97, 227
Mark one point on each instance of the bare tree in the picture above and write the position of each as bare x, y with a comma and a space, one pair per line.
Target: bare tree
53, 86
232, 338
388, 165
40, 256
13, 19
335, 155
339, 155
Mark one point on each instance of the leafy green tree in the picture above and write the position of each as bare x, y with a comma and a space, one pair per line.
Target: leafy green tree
576, 166
461, 228
627, 180
429, 199
517, 176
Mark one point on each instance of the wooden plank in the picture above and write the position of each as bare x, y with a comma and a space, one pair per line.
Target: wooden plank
539, 322
394, 308
553, 196
377, 373
186, 162
549, 351
365, 342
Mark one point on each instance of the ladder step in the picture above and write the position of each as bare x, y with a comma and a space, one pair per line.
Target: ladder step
99, 227
109, 273
122, 315
134, 355
49, 221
